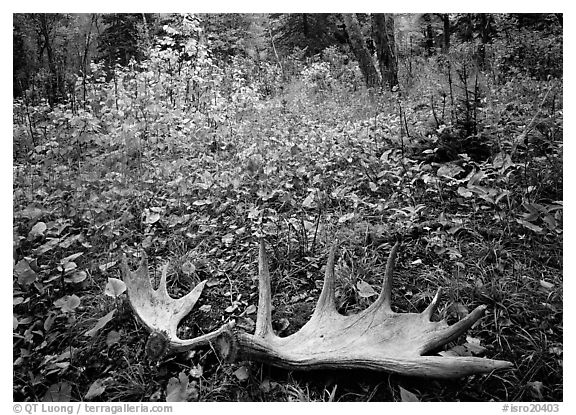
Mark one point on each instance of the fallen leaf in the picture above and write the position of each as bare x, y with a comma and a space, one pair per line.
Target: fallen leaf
546, 285
241, 373
196, 371
536, 389
147, 242
42, 249
231, 309
309, 201
67, 303
449, 171
112, 338
228, 238
556, 350
202, 202
365, 290
251, 309
49, 322
67, 267
97, 388
212, 282
152, 218
265, 386
407, 396
25, 274
59, 392
458, 350
205, 308
180, 389
71, 258
105, 267
346, 217
156, 396
37, 231
115, 287
76, 278
474, 346
100, 324
529, 225
188, 268
31, 213
462, 191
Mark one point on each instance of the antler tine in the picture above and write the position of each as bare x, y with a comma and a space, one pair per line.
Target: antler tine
384, 300
264, 316
327, 300
431, 309
450, 333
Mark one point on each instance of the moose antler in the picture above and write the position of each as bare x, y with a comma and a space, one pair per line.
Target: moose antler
160, 313
376, 338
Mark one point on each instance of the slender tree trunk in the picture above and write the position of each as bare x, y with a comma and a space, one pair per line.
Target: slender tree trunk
276, 52
383, 36
360, 50
305, 28
88, 41
484, 37
53, 82
446, 33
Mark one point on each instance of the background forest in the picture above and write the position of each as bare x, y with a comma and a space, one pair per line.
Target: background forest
190, 137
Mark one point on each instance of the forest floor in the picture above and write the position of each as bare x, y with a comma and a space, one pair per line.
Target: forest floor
302, 172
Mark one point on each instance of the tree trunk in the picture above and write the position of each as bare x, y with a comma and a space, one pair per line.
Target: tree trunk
383, 36
429, 40
360, 50
446, 33
484, 37
44, 31
305, 24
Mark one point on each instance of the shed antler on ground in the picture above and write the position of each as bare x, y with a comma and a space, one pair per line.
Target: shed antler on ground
376, 338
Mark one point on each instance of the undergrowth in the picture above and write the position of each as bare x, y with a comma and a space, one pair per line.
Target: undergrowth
307, 166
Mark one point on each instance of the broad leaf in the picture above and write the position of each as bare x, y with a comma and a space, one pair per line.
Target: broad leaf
115, 287
309, 201
68, 303
365, 290
100, 324
59, 392
37, 230
529, 225
151, 217
24, 273
407, 396
106, 266
112, 338
179, 389
241, 373
76, 278
346, 217
464, 192
97, 388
